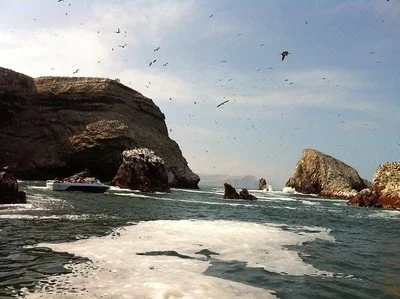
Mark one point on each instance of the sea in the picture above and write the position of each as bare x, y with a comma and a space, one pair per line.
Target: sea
195, 244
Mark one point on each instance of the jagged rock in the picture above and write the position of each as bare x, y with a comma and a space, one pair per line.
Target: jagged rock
317, 173
231, 193
142, 170
56, 126
9, 193
385, 189
244, 194
262, 184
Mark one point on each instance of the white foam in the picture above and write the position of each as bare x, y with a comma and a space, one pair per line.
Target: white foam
135, 195
37, 187
78, 217
195, 191
116, 188
118, 272
385, 214
310, 203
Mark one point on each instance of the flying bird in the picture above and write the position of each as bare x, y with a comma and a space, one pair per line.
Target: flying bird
76, 71
156, 49
118, 31
224, 102
165, 64
122, 46
210, 16
284, 54
372, 52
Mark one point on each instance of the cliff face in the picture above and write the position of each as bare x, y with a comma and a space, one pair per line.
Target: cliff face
56, 126
385, 189
317, 173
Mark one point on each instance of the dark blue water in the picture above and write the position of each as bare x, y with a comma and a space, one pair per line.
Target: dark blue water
361, 255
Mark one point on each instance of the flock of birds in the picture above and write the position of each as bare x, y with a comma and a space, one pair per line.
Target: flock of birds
151, 62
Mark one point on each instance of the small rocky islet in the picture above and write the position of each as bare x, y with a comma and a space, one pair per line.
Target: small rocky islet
325, 176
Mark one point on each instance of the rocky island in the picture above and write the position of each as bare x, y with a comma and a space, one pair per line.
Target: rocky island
317, 173
142, 170
385, 189
56, 126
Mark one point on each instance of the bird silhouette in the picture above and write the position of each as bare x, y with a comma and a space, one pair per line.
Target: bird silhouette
76, 71
220, 104
122, 46
165, 64
284, 54
156, 49
210, 16
118, 31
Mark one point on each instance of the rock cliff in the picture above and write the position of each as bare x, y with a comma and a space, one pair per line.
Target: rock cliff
385, 189
317, 173
57, 126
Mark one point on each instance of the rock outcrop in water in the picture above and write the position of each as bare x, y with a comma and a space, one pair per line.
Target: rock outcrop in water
57, 126
384, 191
9, 193
262, 185
142, 170
317, 173
231, 193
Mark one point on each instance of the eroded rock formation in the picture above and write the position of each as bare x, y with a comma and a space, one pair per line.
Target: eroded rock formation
9, 193
385, 189
142, 170
317, 173
55, 126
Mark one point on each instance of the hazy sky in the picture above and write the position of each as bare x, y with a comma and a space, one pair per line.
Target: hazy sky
338, 91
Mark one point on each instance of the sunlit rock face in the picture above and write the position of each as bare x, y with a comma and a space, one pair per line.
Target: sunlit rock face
385, 189
57, 126
142, 170
317, 173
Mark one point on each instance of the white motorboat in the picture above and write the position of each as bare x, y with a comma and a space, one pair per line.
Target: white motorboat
94, 186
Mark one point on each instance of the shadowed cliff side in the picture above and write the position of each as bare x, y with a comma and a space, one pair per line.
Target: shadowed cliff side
57, 126
317, 173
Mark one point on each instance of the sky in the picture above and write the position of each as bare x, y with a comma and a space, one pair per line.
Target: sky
337, 91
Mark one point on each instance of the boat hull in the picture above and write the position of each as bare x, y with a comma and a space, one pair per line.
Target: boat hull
83, 187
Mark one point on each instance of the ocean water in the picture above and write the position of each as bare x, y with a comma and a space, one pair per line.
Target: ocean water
195, 244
